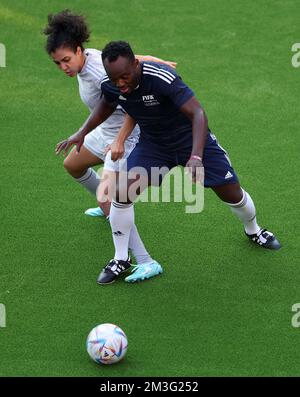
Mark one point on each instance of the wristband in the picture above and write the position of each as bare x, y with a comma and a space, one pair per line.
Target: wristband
196, 157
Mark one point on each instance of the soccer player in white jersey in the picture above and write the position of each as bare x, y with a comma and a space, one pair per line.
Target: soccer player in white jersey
66, 34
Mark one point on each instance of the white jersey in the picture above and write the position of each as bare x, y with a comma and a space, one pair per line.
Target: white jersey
89, 80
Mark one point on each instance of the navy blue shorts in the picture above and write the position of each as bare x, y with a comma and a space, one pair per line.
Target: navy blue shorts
217, 166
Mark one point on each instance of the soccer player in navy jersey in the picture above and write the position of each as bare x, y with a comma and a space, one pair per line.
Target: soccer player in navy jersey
174, 131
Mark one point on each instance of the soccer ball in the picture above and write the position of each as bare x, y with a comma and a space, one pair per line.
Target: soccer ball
106, 344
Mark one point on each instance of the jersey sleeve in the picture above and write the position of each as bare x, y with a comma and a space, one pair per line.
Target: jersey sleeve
179, 92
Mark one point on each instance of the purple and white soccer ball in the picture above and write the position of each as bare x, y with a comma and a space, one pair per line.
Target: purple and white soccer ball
106, 344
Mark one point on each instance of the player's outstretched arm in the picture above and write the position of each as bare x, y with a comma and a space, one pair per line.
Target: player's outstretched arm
194, 111
117, 147
150, 58
101, 112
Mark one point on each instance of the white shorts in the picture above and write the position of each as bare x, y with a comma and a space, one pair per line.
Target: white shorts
96, 142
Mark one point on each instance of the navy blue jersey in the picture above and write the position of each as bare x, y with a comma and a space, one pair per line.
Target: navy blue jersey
155, 105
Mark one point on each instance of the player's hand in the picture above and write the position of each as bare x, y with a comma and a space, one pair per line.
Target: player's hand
75, 139
194, 168
117, 150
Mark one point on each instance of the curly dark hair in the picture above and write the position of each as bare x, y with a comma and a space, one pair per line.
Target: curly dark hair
66, 29
114, 49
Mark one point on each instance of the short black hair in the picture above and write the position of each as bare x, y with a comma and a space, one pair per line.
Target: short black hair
66, 29
114, 49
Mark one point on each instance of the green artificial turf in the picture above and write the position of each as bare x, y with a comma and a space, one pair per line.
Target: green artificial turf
222, 306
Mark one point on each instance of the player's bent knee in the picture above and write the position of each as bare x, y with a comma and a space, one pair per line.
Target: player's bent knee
68, 165
73, 169
230, 193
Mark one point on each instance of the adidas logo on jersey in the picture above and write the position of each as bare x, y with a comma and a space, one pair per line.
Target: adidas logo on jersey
228, 175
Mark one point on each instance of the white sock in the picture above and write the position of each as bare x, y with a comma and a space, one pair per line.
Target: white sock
137, 247
245, 211
121, 219
90, 180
